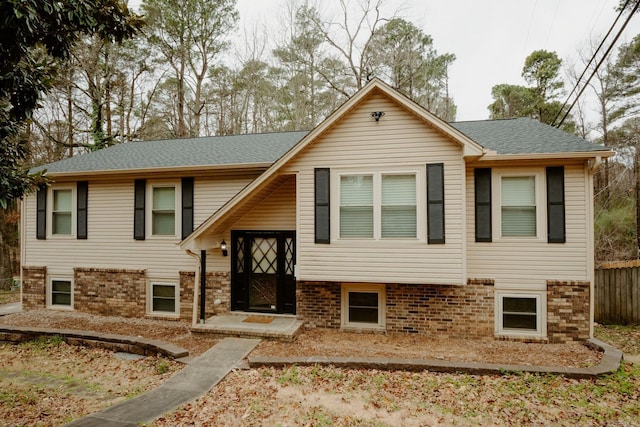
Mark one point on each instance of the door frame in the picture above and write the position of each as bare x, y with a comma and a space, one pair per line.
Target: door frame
241, 269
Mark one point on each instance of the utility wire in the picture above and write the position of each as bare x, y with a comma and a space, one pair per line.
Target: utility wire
635, 8
593, 57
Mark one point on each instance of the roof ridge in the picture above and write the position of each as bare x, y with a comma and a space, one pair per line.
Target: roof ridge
182, 139
488, 120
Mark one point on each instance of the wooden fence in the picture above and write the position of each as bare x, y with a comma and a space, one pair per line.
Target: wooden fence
617, 299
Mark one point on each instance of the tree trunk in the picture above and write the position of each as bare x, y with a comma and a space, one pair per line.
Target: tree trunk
636, 165
70, 111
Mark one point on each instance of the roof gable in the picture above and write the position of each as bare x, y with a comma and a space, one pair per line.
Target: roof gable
469, 147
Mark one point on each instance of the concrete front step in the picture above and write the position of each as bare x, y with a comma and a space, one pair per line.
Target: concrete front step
254, 326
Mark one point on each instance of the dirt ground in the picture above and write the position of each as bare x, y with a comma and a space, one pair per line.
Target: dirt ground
325, 342
174, 332
51, 383
48, 382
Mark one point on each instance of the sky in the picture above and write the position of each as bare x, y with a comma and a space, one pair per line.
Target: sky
490, 38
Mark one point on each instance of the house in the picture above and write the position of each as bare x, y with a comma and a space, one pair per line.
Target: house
382, 218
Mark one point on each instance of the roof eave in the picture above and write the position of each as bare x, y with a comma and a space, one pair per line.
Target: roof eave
542, 156
108, 172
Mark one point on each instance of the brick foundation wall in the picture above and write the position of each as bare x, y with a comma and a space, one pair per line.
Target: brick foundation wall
443, 310
34, 288
218, 288
110, 292
318, 304
568, 314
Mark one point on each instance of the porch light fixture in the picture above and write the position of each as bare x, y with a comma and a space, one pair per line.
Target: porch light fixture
223, 248
377, 114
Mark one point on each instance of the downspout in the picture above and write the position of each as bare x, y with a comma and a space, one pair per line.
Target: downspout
196, 281
203, 282
23, 243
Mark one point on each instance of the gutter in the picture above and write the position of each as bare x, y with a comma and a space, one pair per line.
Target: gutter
547, 156
137, 171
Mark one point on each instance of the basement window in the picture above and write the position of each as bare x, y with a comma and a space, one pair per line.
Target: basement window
164, 299
363, 306
520, 314
60, 293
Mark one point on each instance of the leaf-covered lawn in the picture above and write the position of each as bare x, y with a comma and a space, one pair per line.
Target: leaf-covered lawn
47, 382
350, 397
7, 297
330, 396
625, 338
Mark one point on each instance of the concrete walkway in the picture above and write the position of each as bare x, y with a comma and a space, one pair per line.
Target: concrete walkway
14, 307
191, 382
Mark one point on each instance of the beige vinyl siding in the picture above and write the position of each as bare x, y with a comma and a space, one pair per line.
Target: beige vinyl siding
210, 194
276, 212
529, 263
397, 143
110, 242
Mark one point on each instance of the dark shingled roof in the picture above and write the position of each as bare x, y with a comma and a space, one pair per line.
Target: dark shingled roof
509, 136
523, 136
168, 153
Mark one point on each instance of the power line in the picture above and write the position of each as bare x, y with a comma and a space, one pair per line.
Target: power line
593, 57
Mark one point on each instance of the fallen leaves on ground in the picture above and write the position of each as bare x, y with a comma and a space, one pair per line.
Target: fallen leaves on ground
323, 396
172, 331
325, 342
47, 382
318, 396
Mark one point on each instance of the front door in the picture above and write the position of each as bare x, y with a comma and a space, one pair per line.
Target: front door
262, 276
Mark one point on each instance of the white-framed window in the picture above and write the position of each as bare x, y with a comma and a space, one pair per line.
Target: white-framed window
398, 209
62, 211
520, 313
356, 206
363, 306
520, 204
164, 299
163, 217
380, 205
60, 293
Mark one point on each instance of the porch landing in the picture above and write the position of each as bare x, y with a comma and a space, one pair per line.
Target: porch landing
255, 325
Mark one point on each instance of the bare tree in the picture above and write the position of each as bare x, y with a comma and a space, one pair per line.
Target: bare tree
191, 34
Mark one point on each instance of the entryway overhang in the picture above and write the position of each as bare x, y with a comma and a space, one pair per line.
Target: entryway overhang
210, 234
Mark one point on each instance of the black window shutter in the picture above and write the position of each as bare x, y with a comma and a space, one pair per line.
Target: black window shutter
556, 230
41, 214
483, 204
321, 200
82, 195
435, 203
138, 215
187, 207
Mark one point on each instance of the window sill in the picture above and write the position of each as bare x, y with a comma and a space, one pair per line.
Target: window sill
519, 239
532, 338
162, 316
403, 240
162, 237
363, 327
61, 236
60, 307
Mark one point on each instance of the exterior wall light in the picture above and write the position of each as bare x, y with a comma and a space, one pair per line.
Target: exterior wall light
223, 248
377, 114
